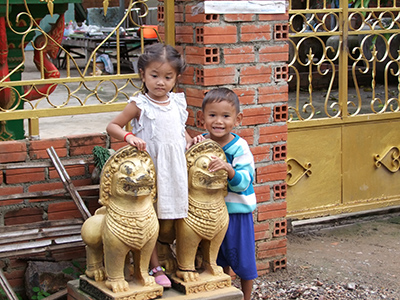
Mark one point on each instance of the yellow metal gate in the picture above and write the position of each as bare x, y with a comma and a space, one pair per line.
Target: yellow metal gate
344, 139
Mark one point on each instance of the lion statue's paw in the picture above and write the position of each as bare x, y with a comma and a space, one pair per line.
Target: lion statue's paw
147, 280
215, 270
98, 274
187, 276
117, 285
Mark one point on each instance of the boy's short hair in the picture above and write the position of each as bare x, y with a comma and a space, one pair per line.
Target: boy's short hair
221, 94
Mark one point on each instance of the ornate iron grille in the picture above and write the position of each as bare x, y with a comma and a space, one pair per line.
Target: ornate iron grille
344, 58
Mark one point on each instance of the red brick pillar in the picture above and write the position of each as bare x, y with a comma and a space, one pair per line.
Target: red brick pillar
247, 53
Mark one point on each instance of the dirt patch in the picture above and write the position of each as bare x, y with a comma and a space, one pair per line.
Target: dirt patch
357, 261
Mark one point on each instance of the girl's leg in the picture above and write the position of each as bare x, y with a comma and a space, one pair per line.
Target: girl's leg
156, 270
154, 258
155, 266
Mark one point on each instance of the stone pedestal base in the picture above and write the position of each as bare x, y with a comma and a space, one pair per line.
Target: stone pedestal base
207, 282
227, 293
98, 290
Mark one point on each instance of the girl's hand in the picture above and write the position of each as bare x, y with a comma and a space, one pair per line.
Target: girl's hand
197, 139
217, 164
135, 141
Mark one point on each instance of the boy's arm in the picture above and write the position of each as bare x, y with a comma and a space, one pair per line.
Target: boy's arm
240, 172
218, 164
241, 181
243, 165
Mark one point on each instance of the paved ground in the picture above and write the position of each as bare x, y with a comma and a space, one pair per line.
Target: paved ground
353, 261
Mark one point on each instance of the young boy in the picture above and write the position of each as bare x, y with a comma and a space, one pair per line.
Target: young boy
220, 113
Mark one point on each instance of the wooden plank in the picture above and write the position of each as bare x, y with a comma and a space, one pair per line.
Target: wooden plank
41, 225
59, 294
40, 230
68, 239
46, 164
21, 252
35, 234
38, 237
32, 195
24, 246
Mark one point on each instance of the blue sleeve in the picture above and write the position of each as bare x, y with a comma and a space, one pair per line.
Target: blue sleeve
243, 164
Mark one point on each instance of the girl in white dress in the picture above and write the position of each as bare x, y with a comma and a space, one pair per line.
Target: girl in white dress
158, 118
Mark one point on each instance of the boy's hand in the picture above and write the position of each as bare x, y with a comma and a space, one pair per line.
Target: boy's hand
137, 142
218, 164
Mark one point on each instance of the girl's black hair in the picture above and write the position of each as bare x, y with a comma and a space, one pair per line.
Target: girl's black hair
219, 95
161, 53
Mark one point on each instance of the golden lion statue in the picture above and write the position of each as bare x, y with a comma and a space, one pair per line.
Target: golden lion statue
126, 222
208, 218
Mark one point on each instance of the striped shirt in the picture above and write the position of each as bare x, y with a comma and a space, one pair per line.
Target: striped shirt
241, 197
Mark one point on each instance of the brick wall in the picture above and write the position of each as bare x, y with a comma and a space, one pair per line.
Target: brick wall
247, 53
25, 167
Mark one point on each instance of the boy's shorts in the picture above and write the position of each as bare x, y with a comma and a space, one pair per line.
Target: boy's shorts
238, 248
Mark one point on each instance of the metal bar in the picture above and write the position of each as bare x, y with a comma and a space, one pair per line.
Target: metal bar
68, 183
33, 126
7, 287
169, 22
64, 111
69, 80
343, 60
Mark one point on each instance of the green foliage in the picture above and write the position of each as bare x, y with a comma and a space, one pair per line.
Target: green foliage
100, 156
3, 295
357, 3
365, 3
76, 270
39, 293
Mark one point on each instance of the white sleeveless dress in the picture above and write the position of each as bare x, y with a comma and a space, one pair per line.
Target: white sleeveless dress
163, 130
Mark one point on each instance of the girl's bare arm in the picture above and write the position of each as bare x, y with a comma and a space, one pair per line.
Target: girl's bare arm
116, 127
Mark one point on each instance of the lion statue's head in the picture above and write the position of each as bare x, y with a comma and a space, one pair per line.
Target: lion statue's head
198, 158
131, 173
